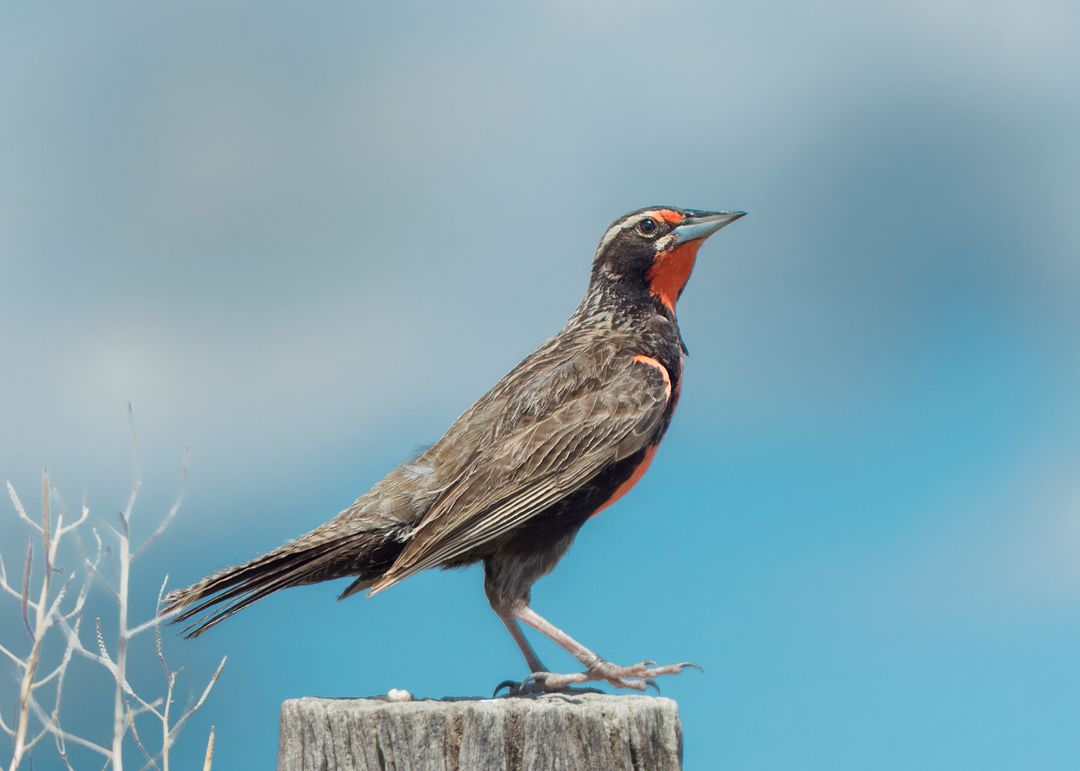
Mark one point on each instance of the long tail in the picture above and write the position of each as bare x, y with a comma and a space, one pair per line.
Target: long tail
334, 550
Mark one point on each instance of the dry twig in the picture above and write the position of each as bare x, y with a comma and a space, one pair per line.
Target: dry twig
46, 608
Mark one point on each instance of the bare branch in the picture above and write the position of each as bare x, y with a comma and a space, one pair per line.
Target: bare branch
171, 514
55, 544
103, 652
101, 579
57, 604
56, 730
61, 668
166, 730
46, 535
60, 503
54, 609
136, 473
152, 623
62, 531
15, 659
59, 695
124, 558
19, 508
209, 760
26, 589
80, 600
158, 648
4, 581
76, 643
206, 692
138, 743
105, 660
5, 727
145, 707
35, 739
116, 533
61, 750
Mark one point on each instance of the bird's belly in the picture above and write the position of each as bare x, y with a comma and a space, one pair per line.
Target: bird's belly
635, 475
565, 517
533, 549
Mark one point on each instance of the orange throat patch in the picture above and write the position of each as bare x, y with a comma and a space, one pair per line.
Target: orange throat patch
671, 270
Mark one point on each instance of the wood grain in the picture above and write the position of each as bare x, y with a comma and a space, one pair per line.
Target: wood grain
588, 731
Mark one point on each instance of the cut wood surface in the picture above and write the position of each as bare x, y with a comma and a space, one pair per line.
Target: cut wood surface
586, 731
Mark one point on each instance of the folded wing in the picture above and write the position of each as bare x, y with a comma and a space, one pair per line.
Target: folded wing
520, 474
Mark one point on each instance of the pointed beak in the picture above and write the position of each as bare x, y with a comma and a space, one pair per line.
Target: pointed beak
702, 224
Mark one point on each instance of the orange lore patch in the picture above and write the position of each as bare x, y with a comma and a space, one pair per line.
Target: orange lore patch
669, 216
671, 270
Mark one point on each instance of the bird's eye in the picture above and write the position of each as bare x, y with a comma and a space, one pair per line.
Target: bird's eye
648, 227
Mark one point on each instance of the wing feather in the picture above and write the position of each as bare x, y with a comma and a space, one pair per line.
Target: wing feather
523, 473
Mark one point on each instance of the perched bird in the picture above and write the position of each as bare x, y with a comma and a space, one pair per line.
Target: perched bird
565, 434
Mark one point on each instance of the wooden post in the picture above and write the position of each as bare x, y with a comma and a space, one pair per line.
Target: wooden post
587, 731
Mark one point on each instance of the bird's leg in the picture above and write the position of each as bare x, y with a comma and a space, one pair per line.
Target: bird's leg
529, 685
636, 676
512, 626
506, 615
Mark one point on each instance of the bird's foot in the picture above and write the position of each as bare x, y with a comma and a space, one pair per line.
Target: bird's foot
533, 687
637, 677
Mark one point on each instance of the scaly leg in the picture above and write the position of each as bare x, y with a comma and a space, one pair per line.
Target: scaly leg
637, 676
531, 659
508, 618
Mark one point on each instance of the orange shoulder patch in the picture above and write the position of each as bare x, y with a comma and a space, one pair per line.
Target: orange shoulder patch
663, 370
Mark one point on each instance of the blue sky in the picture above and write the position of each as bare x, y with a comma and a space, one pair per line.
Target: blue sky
302, 240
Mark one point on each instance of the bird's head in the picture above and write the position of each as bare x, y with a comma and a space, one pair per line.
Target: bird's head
651, 252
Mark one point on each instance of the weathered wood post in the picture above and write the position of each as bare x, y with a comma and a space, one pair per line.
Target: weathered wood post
587, 731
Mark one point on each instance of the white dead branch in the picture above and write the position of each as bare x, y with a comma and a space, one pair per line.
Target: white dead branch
46, 603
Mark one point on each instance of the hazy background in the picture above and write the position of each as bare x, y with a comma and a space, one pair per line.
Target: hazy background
302, 239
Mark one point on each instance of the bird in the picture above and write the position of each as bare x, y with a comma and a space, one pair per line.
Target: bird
561, 437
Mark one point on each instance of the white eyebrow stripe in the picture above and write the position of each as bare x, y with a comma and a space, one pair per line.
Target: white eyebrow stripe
622, 225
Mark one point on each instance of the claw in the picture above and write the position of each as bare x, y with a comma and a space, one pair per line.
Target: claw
536, 677
638, 677
536, 685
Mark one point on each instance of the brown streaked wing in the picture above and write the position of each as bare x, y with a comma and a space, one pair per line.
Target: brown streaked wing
526, 471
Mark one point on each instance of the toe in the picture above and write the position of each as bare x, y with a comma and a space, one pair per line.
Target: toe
631, 683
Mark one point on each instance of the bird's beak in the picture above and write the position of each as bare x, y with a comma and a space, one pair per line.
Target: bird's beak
699, 225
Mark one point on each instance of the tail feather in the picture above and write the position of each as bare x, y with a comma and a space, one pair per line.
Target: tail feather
323, 554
